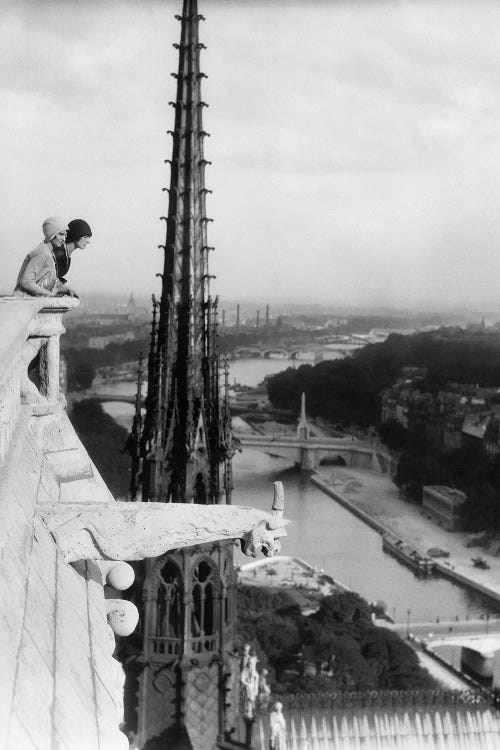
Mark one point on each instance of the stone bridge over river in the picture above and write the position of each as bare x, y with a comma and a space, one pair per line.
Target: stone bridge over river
303, 449
104, 397
308, 452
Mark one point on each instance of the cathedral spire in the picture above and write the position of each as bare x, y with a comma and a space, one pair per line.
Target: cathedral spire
184, 453
185, 446
185, 449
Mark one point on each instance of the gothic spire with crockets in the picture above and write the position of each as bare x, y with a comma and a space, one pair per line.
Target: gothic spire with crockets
185, 446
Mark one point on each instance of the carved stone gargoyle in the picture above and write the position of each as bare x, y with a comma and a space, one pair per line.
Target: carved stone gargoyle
134, 531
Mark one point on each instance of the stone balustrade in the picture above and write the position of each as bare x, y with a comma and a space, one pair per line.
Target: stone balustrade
29, 359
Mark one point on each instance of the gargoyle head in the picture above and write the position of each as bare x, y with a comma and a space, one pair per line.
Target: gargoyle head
265, 536
262, 539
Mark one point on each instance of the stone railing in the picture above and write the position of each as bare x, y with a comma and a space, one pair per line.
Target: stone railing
363, 699
29, 359
163, 646
472, 727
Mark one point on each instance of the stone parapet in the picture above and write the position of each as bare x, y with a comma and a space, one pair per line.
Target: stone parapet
29, 358
59, 684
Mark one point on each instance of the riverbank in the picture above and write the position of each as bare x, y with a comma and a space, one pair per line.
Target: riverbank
307, 584
375, 500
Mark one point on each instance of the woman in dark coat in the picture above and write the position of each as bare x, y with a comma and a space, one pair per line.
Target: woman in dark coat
77, 236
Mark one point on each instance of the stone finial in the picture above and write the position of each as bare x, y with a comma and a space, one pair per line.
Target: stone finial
134, 531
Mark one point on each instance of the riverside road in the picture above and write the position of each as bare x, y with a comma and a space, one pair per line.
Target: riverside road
486, 626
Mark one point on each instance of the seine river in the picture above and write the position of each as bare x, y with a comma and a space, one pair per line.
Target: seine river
327, 535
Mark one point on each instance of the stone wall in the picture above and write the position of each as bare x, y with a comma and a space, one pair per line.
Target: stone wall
59, 686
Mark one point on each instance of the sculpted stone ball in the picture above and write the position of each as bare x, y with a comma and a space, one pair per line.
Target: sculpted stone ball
120, 576
123, 616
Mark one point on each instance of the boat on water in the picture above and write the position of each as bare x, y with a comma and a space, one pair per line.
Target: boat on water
408, 555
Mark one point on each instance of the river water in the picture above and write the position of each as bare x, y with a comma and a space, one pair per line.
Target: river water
326, 534
253, 371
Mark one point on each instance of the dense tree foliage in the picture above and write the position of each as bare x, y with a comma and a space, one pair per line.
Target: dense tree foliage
347, 391
482, 509
81, 375
340, 391
467, 468
337, 647
113, 354
394, 435
104, 440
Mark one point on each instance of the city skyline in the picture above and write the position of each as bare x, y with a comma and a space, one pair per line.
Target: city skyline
353, 146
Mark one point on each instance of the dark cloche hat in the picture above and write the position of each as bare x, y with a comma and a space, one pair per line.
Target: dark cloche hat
77, 229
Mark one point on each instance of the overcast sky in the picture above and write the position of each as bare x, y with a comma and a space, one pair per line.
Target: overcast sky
355, 146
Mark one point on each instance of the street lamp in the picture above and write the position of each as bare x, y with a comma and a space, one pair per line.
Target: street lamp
408, 613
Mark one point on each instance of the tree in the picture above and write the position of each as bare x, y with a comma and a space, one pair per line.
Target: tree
342, 607
104, 440
340, 634
277, 636
80, 377
393, 434
482, 507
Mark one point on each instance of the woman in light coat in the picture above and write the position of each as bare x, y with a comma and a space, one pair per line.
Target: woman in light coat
38, 274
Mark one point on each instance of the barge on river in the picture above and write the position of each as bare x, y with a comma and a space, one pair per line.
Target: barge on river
408, 555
